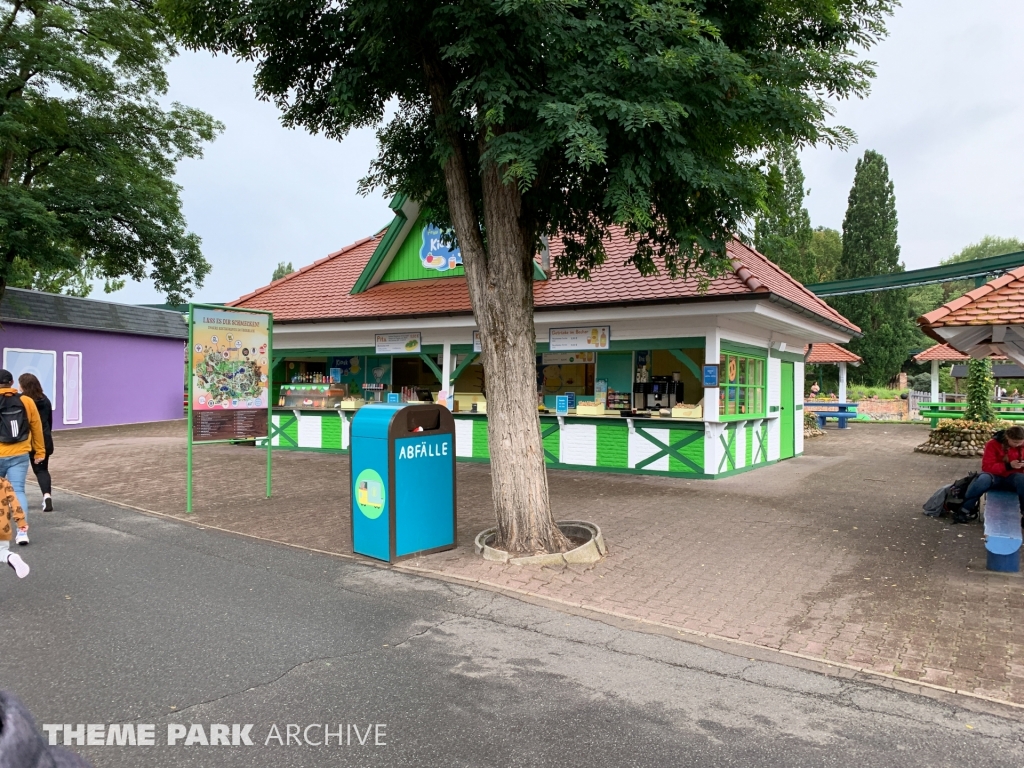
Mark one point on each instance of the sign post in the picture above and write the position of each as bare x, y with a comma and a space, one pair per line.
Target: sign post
230, 354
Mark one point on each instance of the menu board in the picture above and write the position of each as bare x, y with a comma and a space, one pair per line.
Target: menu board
228, 360
232, 424
397, 343
569, 339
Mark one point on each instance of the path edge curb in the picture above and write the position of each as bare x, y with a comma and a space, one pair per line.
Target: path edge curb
982, 703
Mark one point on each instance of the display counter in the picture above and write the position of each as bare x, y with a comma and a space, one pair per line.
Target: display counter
610, 443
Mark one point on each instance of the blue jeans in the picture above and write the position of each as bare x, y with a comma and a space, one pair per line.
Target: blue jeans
15, 468
985, 482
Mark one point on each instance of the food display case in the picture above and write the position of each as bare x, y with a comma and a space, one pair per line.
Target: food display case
312, 397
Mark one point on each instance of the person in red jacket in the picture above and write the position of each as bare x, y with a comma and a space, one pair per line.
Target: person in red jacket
1002, 468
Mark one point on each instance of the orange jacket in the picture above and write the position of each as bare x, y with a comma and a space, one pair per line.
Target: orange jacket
35, 442
10, 510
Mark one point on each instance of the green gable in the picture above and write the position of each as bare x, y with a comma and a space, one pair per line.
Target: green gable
407, 264
397, 256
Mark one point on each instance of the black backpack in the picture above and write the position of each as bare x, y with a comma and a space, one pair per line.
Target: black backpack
14, 427
953, 505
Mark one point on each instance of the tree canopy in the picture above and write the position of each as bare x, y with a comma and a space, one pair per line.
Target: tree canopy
282, 269
871, 247
87, 153
649, 114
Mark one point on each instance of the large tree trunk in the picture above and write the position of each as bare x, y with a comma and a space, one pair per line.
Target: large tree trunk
500, 278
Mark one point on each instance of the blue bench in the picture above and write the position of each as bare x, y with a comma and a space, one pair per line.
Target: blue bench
1003, 531
843, 413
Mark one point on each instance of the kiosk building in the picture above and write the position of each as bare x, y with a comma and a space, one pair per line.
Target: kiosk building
713, 372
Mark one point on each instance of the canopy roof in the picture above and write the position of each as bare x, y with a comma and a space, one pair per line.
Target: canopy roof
940, 352
986, 321
824, 354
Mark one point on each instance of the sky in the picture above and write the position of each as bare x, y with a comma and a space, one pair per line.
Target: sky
945, 110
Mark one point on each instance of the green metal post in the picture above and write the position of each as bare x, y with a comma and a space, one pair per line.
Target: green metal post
188, 375
270, 390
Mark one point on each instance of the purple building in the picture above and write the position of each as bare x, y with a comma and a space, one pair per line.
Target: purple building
100, 363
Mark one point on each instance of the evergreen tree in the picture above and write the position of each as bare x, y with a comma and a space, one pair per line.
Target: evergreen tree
282, 270
826, 253
783, 231
870, 248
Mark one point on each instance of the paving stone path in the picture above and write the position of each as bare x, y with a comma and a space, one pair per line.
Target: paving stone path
827, 555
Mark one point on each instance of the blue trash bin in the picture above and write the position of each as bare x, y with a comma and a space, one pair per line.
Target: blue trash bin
402, 480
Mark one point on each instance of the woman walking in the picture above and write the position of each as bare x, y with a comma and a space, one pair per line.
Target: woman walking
31, 387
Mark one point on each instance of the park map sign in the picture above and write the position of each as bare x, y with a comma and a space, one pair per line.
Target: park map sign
230, 375
229, 368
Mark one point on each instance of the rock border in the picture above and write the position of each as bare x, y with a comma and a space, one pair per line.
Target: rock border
591, 552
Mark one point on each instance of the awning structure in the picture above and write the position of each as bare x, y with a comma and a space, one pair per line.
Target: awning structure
984, 322
832, 354
940, 353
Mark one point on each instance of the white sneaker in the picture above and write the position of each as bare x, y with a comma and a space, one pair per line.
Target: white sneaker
20, 566
21, 537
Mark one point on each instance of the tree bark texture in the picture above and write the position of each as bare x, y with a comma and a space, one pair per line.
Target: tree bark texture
500, 278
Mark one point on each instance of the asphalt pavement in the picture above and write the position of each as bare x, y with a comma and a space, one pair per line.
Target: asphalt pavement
131, 619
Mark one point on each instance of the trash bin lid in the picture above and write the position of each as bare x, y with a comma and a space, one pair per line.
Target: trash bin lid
374, 419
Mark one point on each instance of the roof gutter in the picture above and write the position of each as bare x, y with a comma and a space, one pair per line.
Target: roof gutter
793, 307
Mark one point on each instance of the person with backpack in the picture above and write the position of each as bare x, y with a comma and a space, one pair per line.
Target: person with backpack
1002, 468
21, 434
30, 386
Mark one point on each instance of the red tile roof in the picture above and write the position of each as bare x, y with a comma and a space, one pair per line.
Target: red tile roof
322, 291
941, 352
831, 353
998, 302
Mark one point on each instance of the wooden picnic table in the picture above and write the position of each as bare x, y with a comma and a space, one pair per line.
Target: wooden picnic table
842, 412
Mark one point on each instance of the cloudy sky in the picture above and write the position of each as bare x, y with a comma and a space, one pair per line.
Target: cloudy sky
946, 110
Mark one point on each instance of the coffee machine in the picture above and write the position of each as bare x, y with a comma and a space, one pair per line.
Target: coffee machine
660, 392
664, 392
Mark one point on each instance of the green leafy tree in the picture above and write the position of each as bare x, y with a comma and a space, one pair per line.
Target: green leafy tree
518, 120
282, 269
71, 282
980, 386
783, 231
870, 247
87, 154
826, 252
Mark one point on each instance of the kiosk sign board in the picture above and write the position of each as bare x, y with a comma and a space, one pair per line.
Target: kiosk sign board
570, 339
397, 343
710, 375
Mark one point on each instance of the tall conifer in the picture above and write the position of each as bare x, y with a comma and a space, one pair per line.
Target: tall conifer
783, 231
870, 248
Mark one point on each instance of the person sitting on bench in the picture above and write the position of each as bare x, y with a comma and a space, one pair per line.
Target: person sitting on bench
1002, 468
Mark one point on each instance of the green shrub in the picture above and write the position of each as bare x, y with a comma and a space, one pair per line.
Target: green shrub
980, 388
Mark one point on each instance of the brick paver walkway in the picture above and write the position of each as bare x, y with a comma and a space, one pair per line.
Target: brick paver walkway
827, 556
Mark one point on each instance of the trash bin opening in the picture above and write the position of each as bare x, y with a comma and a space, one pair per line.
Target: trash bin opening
424, 419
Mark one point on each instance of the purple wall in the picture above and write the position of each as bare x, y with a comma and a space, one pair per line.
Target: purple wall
125, 378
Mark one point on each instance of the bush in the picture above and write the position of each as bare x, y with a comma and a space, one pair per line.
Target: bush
858, 392
922, 382
953, 426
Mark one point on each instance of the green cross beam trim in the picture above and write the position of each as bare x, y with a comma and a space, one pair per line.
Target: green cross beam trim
431, 365
467, 360
279, 430
762, 443
669, 450
728, 444
547, 433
